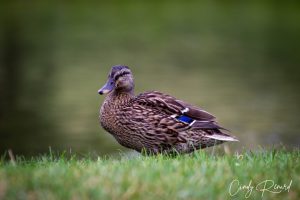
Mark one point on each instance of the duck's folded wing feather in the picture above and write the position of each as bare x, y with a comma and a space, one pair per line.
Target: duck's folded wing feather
172, 106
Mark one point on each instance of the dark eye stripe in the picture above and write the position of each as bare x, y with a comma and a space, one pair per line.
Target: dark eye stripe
122, 74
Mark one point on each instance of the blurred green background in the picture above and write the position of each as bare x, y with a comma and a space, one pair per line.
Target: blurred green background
238, 60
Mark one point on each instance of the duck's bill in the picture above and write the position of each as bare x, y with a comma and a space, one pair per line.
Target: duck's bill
108, 87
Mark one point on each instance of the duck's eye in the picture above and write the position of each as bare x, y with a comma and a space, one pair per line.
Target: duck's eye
111, 83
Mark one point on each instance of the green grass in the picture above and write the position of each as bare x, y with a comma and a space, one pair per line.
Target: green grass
201, 175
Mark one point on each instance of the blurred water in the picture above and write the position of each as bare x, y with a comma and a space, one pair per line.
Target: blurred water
238, 61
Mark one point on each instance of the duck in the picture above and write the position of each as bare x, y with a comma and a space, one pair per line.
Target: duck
153, 122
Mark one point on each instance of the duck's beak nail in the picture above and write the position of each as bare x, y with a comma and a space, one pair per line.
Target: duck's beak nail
100, 92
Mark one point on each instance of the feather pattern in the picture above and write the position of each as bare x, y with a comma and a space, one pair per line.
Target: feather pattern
157, 122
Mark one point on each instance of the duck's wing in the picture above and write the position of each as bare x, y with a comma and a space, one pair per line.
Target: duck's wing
185, 116
172, 105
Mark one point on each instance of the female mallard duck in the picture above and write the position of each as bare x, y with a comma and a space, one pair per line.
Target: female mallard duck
155, 122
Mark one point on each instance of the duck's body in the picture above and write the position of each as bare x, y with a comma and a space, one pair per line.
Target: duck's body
153, 121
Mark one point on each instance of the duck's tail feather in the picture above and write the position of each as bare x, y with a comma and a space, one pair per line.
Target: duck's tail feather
222, 137
217, 134
213, 130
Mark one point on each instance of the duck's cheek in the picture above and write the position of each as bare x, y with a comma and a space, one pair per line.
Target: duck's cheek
122, 84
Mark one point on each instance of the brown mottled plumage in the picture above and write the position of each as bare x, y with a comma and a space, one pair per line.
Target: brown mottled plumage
153, 121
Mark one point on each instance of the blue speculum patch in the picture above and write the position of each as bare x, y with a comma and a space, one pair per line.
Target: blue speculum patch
185, 119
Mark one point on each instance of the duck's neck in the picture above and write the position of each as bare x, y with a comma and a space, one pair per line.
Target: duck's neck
119, 98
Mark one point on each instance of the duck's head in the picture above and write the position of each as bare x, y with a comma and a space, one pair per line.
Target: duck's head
119, 79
